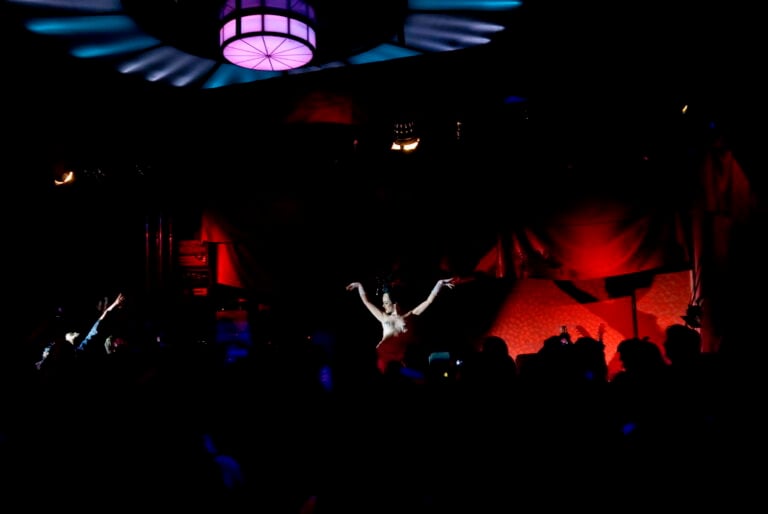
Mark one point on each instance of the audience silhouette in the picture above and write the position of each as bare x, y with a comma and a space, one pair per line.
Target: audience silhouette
178, 424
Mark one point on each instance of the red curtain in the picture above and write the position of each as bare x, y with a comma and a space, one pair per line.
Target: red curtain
727, 203
597, 240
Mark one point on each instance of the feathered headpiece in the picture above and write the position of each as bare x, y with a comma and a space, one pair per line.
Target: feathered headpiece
383, 285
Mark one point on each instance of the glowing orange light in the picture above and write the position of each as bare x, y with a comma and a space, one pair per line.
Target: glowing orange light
66, 178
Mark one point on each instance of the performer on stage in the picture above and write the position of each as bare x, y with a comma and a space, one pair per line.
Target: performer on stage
397, 332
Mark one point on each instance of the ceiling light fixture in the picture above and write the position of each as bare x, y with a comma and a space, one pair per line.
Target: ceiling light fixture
194, 43
405, 139
267, 35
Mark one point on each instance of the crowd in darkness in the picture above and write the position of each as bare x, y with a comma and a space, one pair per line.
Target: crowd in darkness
141, 417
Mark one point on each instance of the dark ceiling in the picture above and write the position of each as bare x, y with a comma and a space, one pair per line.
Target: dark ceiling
585, 71
597, 78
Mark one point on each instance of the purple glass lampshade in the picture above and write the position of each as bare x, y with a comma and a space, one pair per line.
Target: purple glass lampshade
269, 35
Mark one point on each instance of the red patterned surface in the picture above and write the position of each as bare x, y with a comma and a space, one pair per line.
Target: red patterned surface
536, 308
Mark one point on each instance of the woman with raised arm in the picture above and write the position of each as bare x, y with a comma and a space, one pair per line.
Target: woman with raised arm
97, 329
397, 333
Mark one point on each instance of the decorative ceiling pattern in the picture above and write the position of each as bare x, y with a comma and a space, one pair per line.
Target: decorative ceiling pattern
175, 42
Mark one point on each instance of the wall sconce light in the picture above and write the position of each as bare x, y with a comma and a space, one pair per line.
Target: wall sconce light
64, 178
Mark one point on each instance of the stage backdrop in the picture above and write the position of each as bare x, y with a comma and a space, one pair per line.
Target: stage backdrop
631, 264
641, 305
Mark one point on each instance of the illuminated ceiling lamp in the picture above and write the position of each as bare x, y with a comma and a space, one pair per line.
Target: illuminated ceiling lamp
267, 35
405, 139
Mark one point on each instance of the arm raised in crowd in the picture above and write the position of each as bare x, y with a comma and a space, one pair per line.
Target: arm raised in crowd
96, 329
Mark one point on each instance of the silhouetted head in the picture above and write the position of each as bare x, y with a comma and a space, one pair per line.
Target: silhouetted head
639, 354
682, 343
114, 343
495, 345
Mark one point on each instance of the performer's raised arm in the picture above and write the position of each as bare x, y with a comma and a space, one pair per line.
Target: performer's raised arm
377, 313
445, 282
